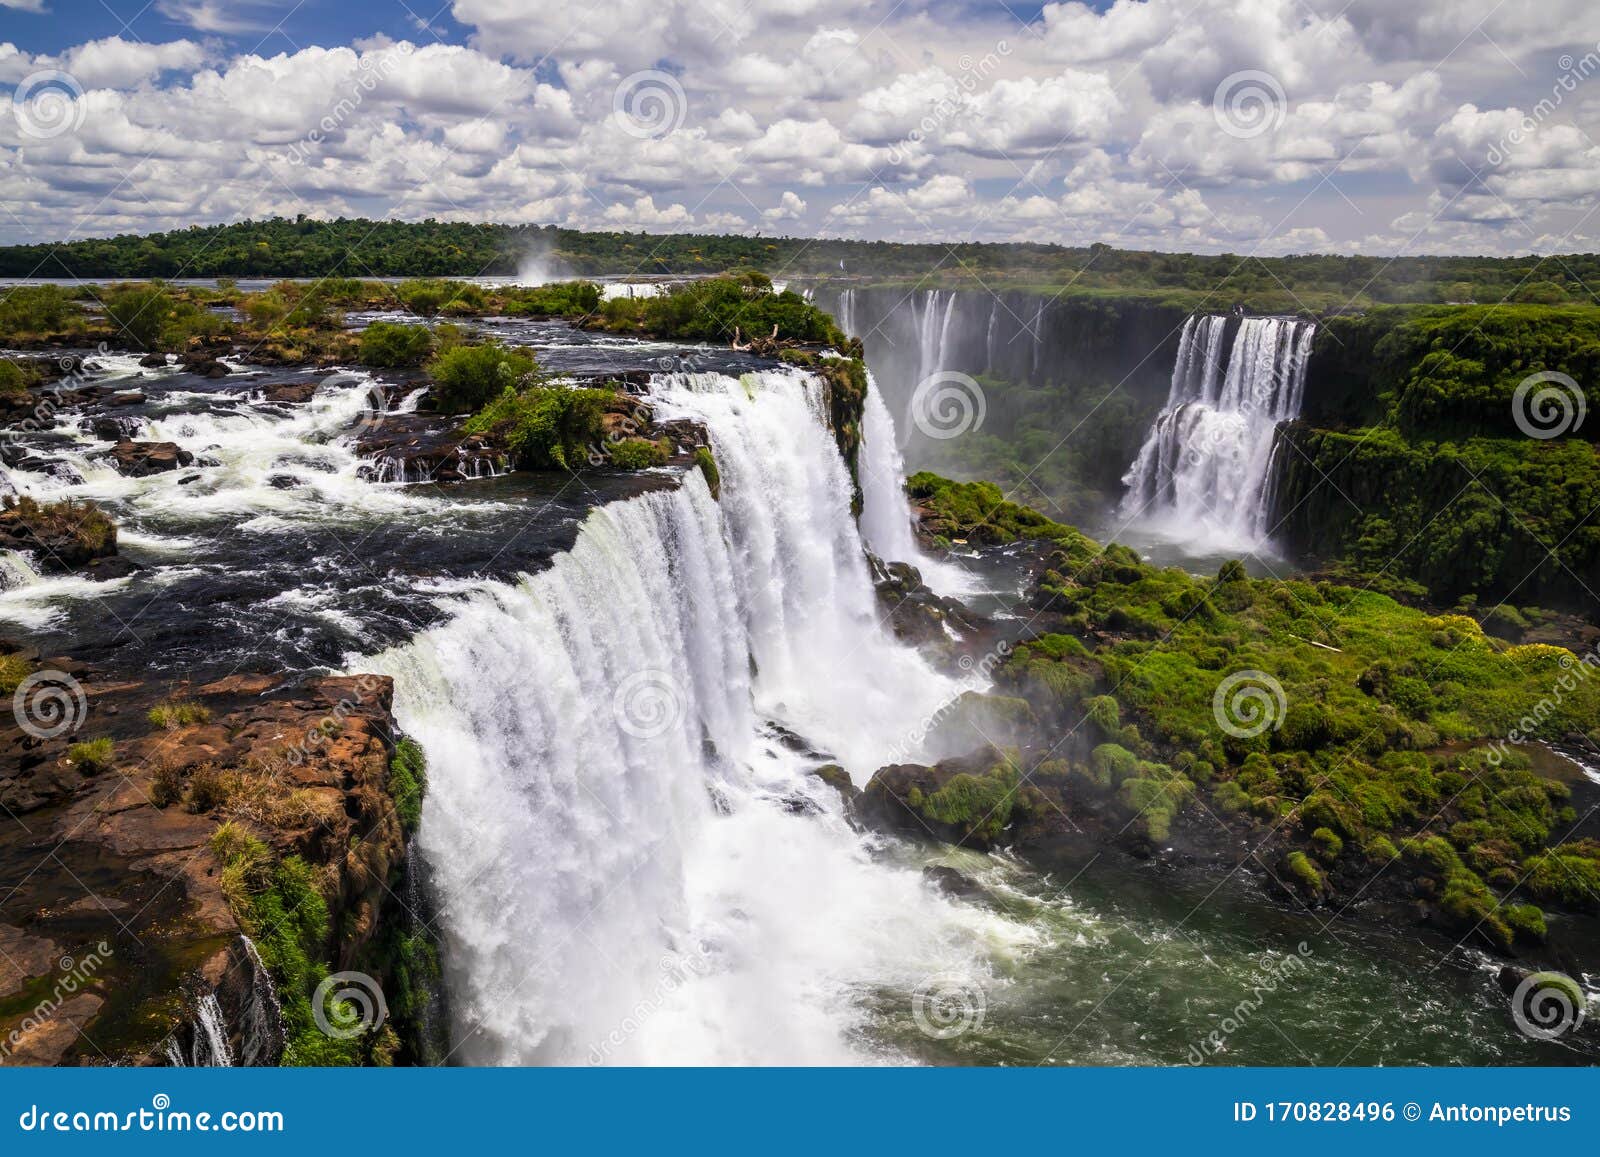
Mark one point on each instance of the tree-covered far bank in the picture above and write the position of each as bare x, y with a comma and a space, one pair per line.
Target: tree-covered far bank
303, 247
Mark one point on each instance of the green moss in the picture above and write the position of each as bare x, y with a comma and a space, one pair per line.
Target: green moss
408, 781
1525, 921
1329, 846
1303, 873
708, 467
979, 805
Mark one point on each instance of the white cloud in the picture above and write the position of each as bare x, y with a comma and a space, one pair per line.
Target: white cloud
882, 118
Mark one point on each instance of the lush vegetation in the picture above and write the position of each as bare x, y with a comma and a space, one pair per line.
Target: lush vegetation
280, 247
385, 343
544, 427
408, 782
279, 905
1410, 460
469, 377
1381, 740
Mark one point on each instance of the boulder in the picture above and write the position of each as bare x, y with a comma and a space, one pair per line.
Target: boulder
142, 459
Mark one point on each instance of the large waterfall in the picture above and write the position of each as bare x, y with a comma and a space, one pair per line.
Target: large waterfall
633, 865
1202, 475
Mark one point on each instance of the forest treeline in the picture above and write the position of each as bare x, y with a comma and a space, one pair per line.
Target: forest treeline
303, 247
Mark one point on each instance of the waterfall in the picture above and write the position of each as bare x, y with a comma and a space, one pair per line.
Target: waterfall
886, 522
261, 1030
933, 331
1203, 473
631, 866
208, 1033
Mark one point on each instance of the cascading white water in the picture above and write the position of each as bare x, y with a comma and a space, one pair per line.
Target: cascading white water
623, 871
886, 522
1203, 472
933, 331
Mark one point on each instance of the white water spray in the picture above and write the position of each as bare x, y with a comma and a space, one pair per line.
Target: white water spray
625, 872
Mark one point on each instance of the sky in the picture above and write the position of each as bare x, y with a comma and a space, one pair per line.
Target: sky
1241, 126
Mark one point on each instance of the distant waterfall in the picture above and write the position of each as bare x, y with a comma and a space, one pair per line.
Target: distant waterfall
1203, 471
633, 866
933, 330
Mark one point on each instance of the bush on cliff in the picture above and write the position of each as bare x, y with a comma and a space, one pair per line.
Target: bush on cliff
544, 427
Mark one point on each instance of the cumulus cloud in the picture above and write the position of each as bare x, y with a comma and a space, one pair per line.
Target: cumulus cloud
879, 119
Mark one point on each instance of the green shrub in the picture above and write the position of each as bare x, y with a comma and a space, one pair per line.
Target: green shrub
93, 755
637, 453
175, 713
387, 344
468, 378
544, 427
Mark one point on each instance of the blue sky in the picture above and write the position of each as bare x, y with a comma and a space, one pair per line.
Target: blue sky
1266, 126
